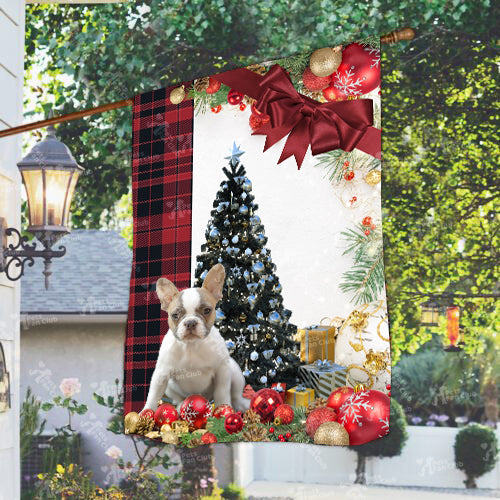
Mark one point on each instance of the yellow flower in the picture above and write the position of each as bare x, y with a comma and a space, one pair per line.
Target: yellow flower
40, 476
70, 468
60, 469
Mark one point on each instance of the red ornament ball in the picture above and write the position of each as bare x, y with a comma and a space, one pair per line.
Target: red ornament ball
313, 82
195, 410
288, 435
359, 72
332, 93
213, 86
349, 176
317, 417
147, 413
234, 97
271, 430
233, 423
222, 411
257, 121
264, 403
281, 437
216, 109
338, 397
208, 438
165, 414
388, 387
243, 106
285, 412
367, 221
365, 416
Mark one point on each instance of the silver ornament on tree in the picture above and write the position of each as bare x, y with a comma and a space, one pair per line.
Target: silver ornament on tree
254, 355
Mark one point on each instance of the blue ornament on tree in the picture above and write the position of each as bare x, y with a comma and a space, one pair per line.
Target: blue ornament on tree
225, 242
248, 251
275, 318
214, 233
263, 379
235, 239
219, 315
254, 355
272, 373
246, 373
258, 267
247, 185
268, 354
229, 344
252, 299
226, 223
260, 316
255, 220
252, 287
246, 275
278, 288
243, 209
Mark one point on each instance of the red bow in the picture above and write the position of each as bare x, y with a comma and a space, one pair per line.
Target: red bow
324, 126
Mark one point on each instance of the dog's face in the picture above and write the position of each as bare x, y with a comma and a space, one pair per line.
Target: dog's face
191, 313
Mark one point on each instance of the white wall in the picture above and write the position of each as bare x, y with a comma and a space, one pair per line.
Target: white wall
93, 353
427, 460
11, 88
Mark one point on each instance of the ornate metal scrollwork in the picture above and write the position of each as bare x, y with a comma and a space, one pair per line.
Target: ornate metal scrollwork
22, 253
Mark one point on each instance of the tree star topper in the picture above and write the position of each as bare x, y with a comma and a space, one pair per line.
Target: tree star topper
234, 154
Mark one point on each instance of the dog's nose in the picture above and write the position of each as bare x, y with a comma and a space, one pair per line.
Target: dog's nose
190, 324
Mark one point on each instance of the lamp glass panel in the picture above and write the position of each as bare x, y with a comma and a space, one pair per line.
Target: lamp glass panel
71, 192
55, 194
34, 190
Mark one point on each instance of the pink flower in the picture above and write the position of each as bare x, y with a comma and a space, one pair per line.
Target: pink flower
114, 452
203, 483
70, 387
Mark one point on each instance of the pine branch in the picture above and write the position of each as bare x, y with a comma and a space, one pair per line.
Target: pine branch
204, 102
295, 65
371, 41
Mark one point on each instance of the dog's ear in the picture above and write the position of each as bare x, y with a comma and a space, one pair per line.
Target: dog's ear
214, 281
166, 291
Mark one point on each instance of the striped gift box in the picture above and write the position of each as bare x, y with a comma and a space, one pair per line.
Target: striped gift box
323, 376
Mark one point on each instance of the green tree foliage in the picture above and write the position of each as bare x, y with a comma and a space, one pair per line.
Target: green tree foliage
476, 452
440, 183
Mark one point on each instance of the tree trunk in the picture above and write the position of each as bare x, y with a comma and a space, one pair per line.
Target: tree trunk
470, 482
198, 463
361, 470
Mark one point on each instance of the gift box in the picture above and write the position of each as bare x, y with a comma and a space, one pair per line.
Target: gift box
299, 396
317, 342
279, 387
323, 376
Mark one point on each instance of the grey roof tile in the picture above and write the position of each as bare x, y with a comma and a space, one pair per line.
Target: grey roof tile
93, 277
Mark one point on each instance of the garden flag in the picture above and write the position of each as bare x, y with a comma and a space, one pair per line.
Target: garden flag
257, 297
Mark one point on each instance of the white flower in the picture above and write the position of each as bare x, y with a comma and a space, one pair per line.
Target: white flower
70, 386
114, 452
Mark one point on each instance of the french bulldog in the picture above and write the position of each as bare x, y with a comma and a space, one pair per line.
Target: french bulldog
193, 357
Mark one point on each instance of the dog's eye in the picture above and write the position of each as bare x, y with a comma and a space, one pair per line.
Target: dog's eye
207, 310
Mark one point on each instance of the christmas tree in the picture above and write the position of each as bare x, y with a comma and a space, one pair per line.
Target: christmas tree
250, 316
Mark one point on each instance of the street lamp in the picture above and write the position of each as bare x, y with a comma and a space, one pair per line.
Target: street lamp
50, 173
429, 315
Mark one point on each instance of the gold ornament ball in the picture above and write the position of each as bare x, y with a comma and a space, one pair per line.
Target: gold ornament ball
373, 178
325, 61
131, 420
331, 433
170, 437
177, 95
243, 317
268, 336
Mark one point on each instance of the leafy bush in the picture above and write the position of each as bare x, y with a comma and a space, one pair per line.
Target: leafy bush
436, 387
233, 492
476, 452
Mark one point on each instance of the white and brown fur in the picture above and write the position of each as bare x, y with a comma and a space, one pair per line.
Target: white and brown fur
193, 357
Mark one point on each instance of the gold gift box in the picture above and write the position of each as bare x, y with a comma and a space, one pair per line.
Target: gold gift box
317, 342
299, 396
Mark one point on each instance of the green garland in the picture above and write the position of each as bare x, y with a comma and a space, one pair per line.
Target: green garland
203, 101
366, 278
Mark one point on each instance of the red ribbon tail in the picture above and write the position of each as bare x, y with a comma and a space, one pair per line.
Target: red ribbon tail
297, 143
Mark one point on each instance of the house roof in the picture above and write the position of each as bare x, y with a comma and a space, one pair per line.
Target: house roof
92, 278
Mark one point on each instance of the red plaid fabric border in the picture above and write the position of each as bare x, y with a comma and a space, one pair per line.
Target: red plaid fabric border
162, 172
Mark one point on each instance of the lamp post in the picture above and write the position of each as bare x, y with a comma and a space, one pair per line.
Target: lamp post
50, 173
429, 315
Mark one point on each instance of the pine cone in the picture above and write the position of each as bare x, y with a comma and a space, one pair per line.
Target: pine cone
257, 68
201, 84
195, 442
317, 403
251, 417
249, 100
144, 425
255, 433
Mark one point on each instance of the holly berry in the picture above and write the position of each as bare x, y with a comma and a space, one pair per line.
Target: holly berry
354, 198
388, 387
216, 109
367, 232
288, 435
280, 437
367, 221
346, 163
213, 86
243, 106
271, 430
349, 176
389, 393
